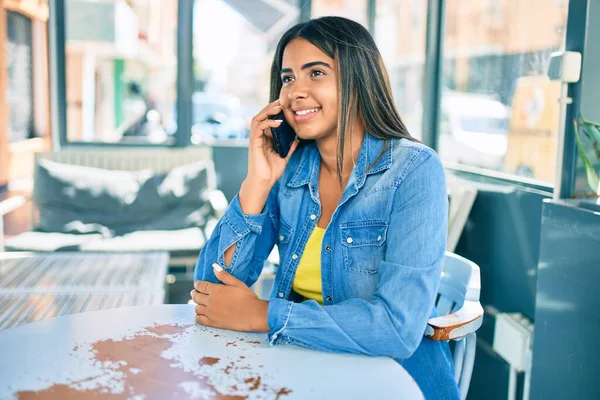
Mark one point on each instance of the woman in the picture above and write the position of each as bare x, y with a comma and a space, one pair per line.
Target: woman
359, 214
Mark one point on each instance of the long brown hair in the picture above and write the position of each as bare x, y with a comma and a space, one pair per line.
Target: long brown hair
363, 82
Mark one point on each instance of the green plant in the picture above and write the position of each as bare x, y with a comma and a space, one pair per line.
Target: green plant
589, 132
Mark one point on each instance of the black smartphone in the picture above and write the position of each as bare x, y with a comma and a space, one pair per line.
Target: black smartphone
283, 136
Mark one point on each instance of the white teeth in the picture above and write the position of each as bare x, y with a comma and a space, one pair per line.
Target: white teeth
305, 112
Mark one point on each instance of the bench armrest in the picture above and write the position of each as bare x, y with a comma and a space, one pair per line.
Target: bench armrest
218, 201
7, 206
457, 325
11, 204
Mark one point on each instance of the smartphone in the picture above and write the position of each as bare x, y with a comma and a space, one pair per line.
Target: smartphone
283, 136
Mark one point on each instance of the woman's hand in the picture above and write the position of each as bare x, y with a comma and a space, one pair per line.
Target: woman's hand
230, 306
265, 166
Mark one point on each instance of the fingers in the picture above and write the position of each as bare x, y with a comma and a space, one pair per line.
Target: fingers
226, 277
270, 109
269, 123
293, 148
203, 320
199, 298
201, 310
203, 287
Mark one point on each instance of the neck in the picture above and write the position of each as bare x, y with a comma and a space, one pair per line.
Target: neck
328, 150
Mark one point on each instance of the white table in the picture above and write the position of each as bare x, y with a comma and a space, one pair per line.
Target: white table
158, 351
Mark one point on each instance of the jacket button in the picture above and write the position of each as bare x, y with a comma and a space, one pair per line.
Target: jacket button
328, 247
313, 217
349, 240
329, 298
280, 294
281, 237
294, 256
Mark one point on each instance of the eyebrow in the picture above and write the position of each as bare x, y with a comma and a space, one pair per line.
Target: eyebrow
308, 65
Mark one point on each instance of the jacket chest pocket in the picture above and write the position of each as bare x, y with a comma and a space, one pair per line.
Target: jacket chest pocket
363, 245
283, 237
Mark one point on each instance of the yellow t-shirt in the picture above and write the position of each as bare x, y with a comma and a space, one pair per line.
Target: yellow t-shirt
307, 281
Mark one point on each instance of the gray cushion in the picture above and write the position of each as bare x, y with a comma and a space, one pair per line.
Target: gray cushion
78, 199
94, 189
48, 241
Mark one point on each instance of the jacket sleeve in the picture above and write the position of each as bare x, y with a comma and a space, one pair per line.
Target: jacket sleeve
255, 237
393, 322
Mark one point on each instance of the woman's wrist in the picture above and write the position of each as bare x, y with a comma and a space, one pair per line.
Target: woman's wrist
253, 196
261, 321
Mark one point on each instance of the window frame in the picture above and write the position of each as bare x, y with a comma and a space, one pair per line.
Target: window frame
576, 34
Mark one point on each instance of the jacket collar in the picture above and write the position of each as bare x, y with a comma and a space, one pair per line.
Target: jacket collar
307, 172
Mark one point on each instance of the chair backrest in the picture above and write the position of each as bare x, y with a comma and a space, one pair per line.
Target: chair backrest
461, 194
460, 281
459, 295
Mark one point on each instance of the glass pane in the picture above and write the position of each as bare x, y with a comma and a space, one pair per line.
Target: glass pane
234, 43
355, 10
499, 110
121, 70
20, 77
400, 27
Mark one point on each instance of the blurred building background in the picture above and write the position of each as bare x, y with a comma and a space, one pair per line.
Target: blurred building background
121, 73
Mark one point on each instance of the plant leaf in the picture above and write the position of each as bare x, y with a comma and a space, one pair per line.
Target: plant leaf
592, 176
593, 133
593, 149
585, 121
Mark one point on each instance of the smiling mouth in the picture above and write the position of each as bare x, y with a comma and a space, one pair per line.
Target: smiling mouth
303, 115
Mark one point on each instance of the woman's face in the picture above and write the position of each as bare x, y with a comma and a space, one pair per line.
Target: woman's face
309, 92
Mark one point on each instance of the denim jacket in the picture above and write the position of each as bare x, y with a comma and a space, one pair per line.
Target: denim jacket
381, 257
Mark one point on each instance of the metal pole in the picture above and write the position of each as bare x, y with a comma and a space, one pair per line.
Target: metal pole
58, 85
567, 151
185, 71
432, 82
371, 15
305, 9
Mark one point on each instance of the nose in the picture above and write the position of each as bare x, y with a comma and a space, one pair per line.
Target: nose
298, 91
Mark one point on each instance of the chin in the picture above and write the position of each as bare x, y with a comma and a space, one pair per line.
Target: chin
311, 134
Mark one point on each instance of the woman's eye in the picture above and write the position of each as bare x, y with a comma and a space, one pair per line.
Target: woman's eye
316, 72
286, 79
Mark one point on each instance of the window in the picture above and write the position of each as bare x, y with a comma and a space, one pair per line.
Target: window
494, 15
121, 70
400, 27
355, 10
499, 110
20, 77
234, 44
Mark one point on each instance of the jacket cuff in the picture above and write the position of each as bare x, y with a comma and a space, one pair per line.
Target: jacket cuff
278, 316
241, 223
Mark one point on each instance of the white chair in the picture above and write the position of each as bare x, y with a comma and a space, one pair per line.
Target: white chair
460, 315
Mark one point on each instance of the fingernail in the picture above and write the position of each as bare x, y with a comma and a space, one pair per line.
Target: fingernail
278, 120
217, 267
192, 293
